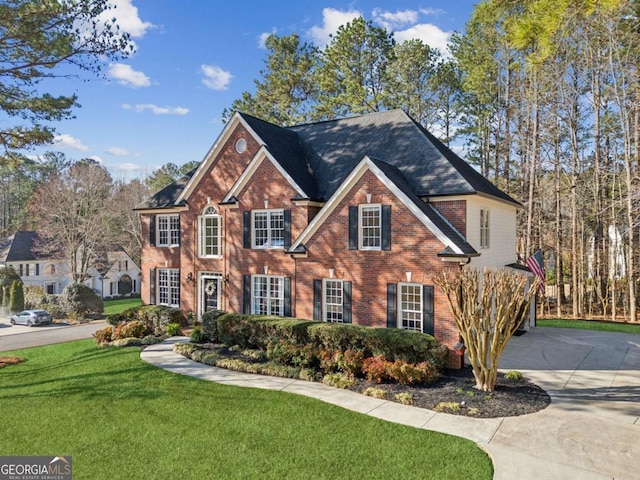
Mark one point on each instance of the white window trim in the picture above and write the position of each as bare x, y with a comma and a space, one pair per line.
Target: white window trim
201, 236
399, 309
169, 243
268, 245
268, 297
170, 288
361, 207
324, 298
485, 228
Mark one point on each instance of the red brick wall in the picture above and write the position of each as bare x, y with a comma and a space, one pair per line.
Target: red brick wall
413, 248
455, 211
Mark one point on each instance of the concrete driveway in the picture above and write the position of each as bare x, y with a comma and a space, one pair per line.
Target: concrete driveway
591, 430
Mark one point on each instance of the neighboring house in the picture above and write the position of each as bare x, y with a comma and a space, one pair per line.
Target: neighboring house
115, 273
341, 221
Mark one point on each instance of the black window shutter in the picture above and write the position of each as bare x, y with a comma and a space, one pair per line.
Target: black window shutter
287, 228
392, 321
346, 302
246, 238
152, 230
427, 309
317, 300
353, 228
386, 227
37, 269
152, 286
287, 296
246, 294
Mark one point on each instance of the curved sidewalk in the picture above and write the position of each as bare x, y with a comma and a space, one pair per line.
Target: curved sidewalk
557, 443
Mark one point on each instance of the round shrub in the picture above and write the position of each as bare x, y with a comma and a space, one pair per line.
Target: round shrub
79, 300
135, 329
33, 297
104, 336
197, 335
173, 329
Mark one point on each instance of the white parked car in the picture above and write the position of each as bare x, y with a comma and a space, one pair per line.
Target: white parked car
31, 318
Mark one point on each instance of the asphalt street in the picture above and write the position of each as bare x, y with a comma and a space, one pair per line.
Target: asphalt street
15, 337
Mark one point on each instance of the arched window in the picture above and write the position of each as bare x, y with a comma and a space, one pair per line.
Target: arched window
50, 269
209, 233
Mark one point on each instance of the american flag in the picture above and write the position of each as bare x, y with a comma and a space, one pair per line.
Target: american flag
536, 265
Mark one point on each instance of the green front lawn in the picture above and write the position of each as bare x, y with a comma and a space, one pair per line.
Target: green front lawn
117, 306
119, 417
590, 325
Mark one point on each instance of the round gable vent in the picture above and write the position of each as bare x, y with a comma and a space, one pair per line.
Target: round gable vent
241, 145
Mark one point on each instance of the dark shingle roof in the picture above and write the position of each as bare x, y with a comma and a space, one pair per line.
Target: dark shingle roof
396, 176
19, 247
168, 196
285, 147
319, 156
335, 147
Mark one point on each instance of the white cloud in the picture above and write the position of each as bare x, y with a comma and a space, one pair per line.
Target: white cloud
125, 75
127, 167
262, 39
96, 158
126, 16
432, 11
156, 110
67, 141
429, 34
399, 19
332, 19
215, 78
118, 152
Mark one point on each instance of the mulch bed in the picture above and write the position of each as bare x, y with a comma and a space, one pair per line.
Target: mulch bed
453, 393
10, 360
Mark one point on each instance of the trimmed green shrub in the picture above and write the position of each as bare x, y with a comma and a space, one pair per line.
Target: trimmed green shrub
79, 300
157, 317
288, 353
197, 336
16, 299
33, 297
209, 324
173, 329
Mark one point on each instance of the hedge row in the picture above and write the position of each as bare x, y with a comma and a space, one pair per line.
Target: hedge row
259, 332
154, 316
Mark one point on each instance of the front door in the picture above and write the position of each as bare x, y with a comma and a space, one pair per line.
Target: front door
209, 292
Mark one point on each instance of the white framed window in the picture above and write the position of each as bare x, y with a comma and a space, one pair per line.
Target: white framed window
267, 295
370, 227
484, 228
267, 228
168, 228
169, 287
332, 301
410, 306
209, 233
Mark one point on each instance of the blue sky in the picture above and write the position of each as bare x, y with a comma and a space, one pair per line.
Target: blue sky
194, 57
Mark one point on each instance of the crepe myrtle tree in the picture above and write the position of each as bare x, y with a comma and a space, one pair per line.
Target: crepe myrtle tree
488, 307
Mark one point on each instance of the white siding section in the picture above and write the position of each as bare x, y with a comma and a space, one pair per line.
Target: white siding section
502, 232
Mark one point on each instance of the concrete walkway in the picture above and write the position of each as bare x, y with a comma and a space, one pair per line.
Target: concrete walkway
591, 430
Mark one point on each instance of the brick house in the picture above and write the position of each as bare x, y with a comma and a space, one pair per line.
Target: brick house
343, 221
